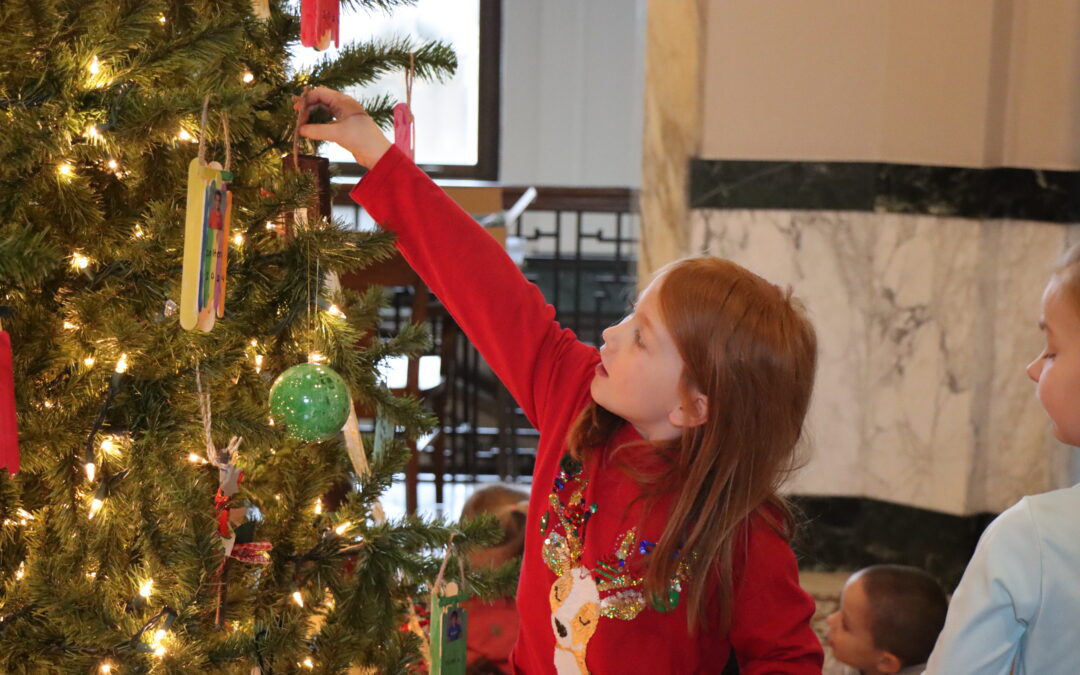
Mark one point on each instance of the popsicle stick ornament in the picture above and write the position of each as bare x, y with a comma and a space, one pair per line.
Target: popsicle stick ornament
206, 235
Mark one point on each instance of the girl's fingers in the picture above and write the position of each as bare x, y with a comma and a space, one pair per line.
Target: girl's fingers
321, 132
340, 105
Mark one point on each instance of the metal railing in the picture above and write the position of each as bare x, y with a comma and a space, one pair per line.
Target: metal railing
580, 250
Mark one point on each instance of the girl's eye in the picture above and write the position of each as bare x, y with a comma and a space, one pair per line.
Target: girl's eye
1048, 356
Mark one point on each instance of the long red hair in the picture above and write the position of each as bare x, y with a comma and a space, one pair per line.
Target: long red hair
749, 348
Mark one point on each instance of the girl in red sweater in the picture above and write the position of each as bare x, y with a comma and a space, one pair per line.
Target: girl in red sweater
656, 540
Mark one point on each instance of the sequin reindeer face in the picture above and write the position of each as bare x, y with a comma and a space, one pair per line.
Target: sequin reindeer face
581, 596
575, 613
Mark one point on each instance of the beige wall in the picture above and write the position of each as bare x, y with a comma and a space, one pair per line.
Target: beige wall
951, 82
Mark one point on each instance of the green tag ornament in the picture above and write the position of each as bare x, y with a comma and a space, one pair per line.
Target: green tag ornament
449, 626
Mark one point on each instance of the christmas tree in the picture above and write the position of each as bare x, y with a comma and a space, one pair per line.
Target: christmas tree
162, 520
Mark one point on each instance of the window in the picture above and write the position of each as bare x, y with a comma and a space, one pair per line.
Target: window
457, 125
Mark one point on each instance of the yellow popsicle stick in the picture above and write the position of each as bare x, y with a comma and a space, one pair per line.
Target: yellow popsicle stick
193, 245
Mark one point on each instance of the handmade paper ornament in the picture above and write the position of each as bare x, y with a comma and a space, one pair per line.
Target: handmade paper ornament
9, 432
319, 20
206, 239
449, 621
404, 122
237, 536
311, 400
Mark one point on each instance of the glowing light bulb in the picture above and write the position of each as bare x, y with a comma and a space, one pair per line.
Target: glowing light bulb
94, 66
248, 77
159, 651
105, 668
146, 588
318, 506
21, 572
270, 226
122, 364
69, 326
161, 18
271, 420
297, 598
88, 362
238, 239
159, 635
138, 232
343, 528
109, 447
254, 342
113, 164
308, 663
336, 311
92, 133
91, 471
258, 363
48, 404
184, 135
65, 170
195, 459
315, 357
79, 261
95, 506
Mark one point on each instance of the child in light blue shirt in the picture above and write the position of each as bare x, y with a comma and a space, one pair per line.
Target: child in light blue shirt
1017, 609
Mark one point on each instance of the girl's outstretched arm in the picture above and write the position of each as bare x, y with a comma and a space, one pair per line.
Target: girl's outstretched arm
504, 315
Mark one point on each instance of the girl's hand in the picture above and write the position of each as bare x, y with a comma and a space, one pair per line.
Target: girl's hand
352, 128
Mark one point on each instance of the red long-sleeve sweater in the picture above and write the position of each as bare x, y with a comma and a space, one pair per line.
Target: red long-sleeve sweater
588, 536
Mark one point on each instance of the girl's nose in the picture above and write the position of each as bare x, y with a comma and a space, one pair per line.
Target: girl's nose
608, 333
1034, 369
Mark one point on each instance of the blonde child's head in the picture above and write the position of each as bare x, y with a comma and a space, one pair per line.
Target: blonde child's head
1056, 371
889, 618
715, 366
509, 506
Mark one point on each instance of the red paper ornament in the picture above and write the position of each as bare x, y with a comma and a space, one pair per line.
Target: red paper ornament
319, 21
9, 432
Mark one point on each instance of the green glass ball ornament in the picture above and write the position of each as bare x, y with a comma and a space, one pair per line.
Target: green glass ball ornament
312, 400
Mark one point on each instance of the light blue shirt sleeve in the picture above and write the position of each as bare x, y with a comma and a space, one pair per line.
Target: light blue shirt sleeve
1000, 593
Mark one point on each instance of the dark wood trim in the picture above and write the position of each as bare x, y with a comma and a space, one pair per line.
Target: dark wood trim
548, 198
587, 199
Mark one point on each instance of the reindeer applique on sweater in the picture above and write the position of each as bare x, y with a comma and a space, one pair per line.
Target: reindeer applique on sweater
581, 596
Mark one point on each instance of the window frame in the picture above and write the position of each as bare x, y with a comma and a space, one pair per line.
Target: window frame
489, 91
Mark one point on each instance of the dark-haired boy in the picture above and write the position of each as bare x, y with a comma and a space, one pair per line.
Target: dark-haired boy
888, 620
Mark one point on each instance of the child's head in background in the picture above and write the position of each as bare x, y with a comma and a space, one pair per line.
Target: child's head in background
889, 619
508, 505
1056, 371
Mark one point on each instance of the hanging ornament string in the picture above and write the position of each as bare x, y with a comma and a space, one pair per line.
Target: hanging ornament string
228, 144
202, 130
229, 478
301, 117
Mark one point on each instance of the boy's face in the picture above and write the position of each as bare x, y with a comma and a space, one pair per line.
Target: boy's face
1056, 371
849, 632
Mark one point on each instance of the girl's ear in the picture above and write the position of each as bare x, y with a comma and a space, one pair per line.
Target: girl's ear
693, 411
